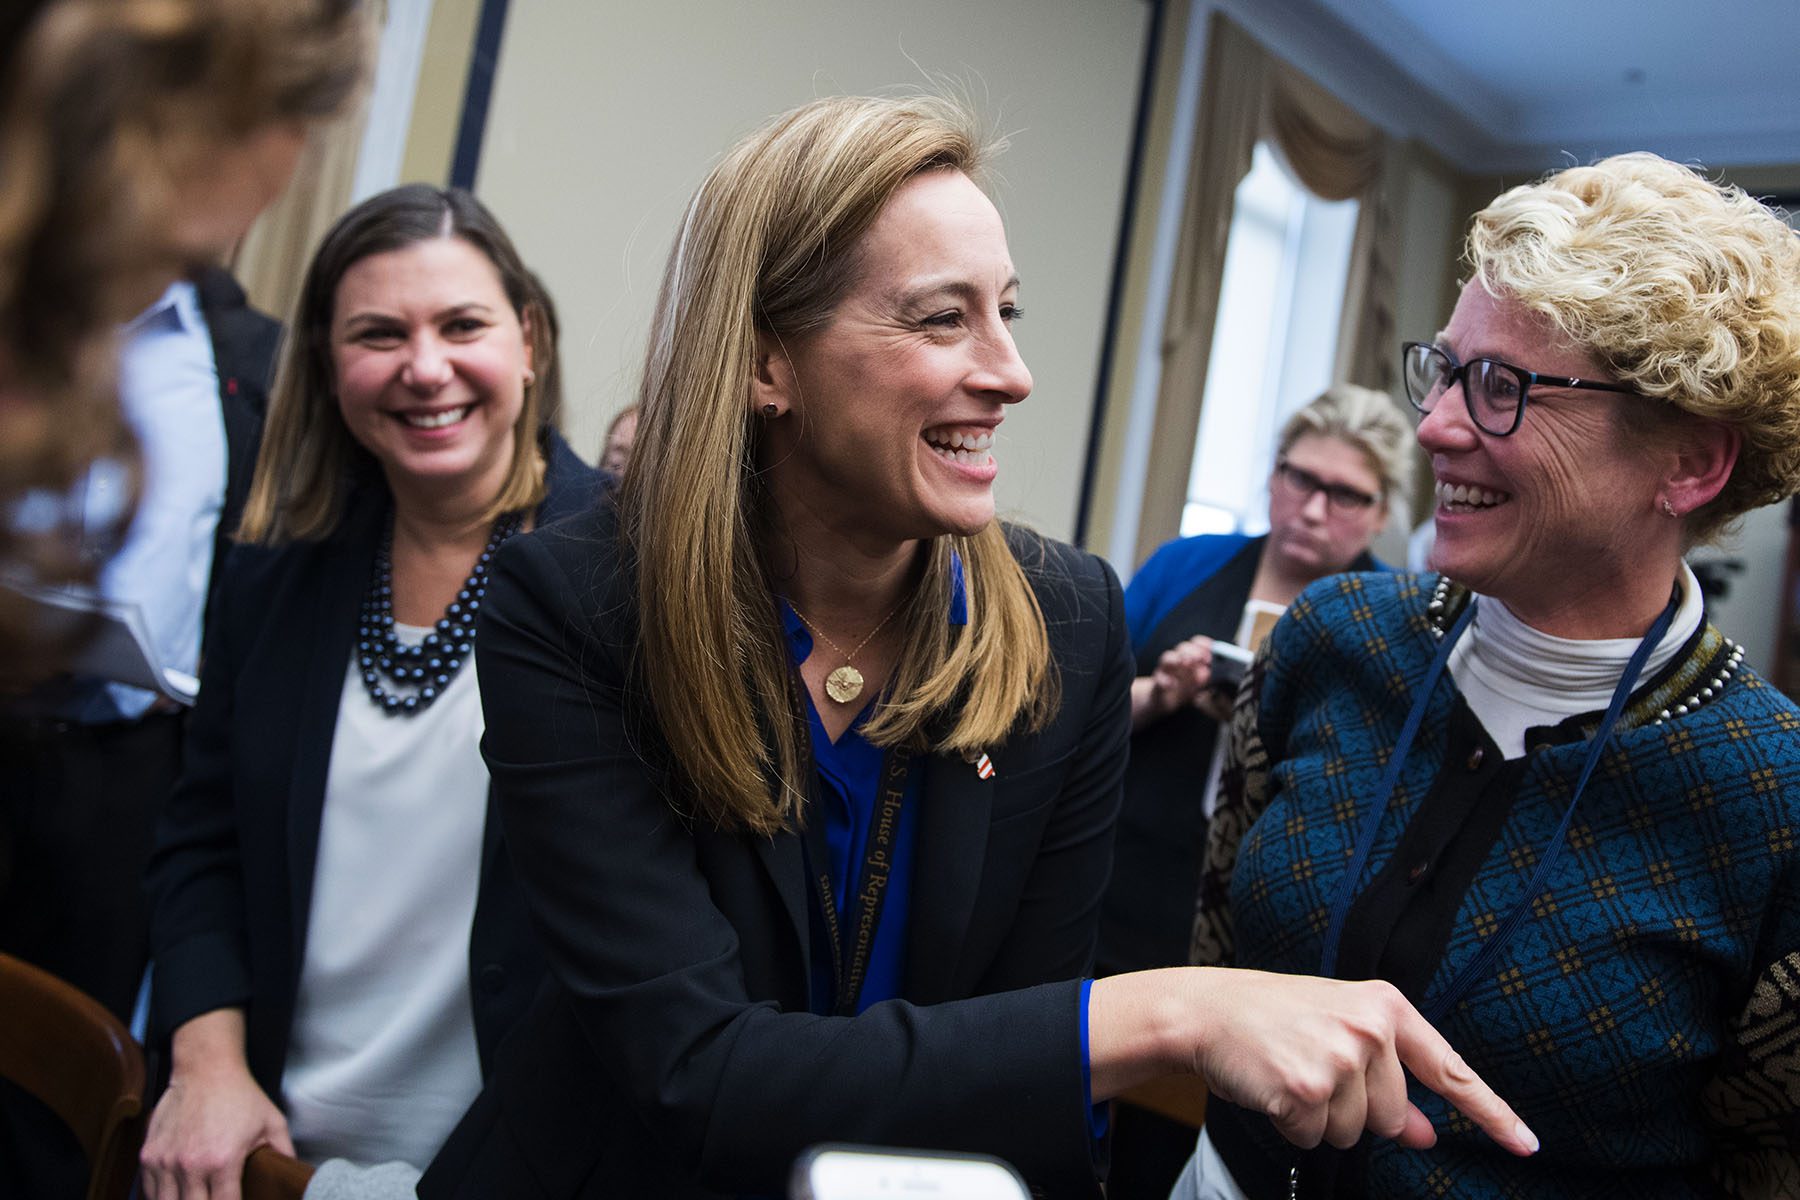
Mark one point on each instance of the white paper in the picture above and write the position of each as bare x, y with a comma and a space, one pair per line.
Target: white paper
119, 646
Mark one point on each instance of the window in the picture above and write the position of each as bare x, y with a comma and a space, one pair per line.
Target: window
1287, 257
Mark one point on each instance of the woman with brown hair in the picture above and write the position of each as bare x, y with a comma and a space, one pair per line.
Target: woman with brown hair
808, 764
338, 941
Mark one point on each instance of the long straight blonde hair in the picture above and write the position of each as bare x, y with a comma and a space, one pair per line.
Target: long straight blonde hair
769, 245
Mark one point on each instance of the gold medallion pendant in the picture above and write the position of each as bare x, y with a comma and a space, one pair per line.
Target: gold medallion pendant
844, 684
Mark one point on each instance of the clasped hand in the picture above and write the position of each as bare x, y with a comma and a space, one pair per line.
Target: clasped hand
1183, 676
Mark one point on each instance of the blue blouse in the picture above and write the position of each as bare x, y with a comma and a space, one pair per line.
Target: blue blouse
849, 772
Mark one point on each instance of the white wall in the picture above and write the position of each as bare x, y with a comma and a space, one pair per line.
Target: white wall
606, 115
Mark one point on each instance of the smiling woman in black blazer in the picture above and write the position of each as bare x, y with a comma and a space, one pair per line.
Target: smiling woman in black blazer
338, 941
809, 766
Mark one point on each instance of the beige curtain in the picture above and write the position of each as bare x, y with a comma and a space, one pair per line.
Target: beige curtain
271, 260
1338, 155
1248, 95
1367, 347
1234, 83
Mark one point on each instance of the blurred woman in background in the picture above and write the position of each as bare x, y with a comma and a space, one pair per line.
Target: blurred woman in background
1339, 463
620, 435
138, 141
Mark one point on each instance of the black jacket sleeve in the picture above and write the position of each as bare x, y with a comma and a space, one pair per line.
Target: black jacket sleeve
732, 1087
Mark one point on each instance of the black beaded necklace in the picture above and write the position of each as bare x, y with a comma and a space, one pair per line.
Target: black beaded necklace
429, 666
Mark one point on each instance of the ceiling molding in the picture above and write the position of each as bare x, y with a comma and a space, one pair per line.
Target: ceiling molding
1707, 150
1694, 114
1347, 64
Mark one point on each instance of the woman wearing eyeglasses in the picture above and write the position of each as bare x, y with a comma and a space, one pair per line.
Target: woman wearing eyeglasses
1337, 463
1537, 791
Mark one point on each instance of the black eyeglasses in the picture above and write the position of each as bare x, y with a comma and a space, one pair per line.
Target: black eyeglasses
1494, 391
1339, 497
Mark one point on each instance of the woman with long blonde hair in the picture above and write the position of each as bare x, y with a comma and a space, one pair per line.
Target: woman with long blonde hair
808, 765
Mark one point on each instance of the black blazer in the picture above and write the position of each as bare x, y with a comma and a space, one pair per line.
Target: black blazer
231, 875
675, 1055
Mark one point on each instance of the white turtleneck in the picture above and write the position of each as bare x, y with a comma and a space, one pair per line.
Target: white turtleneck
1515, 677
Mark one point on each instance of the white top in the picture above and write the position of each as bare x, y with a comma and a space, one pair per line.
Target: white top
1206, 1176
382, 1060
1515, 677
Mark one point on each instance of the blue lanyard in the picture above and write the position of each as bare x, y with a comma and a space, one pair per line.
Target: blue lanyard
1371, 825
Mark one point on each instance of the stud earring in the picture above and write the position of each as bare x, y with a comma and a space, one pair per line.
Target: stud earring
771, 410
1668, 509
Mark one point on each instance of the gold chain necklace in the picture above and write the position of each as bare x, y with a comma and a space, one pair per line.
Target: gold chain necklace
846, 683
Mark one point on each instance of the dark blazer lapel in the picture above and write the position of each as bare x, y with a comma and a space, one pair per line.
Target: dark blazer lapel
344, 565
785, 861
953, 832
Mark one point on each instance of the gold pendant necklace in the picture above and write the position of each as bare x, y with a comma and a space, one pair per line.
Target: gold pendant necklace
846, 683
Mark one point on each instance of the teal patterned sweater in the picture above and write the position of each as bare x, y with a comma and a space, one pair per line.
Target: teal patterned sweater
1645, 1020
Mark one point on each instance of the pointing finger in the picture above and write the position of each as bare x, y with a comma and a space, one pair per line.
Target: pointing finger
1433, 1063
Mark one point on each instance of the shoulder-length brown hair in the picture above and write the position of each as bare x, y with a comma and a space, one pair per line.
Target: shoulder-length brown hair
769, 245
309, 460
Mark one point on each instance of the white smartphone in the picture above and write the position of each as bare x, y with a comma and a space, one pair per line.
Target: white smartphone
834, 1172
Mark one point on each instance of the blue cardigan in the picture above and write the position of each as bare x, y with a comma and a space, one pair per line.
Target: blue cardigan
1634, 1021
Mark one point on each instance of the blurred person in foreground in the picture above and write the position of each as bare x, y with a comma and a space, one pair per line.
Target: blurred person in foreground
339, 944
809, 765
138, 139
1537, 791
85, 762
1339, 462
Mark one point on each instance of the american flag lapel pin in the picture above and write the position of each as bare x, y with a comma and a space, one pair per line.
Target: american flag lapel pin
984, 767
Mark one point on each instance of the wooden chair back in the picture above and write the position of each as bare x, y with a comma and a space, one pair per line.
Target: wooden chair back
65, 1048
272, 1175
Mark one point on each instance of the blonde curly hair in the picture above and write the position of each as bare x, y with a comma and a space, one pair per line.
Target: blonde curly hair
1688, 291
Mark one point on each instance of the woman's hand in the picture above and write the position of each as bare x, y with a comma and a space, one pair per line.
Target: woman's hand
212, 1116
1180, 678
1324, 1058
